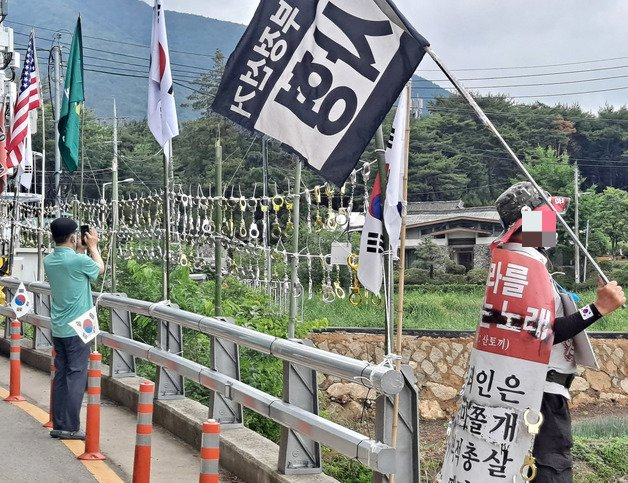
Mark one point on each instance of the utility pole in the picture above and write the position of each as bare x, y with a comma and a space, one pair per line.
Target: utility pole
114, 199
56, 54
295, 250
218, 242
586, 245
576, 225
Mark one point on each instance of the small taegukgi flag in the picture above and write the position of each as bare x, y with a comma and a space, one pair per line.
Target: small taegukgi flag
86, 325
22, 303
320, 76
371, 260
162, 108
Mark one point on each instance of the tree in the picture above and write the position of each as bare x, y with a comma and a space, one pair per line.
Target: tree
430, 256
207, 86
611, 215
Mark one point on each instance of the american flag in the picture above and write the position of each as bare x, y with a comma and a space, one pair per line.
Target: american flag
29, 98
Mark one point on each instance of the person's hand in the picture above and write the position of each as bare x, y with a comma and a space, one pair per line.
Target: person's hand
91, 239
609, 297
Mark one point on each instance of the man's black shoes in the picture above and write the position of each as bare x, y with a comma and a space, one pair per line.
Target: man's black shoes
57, 433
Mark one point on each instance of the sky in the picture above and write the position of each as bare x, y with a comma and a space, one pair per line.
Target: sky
567, 47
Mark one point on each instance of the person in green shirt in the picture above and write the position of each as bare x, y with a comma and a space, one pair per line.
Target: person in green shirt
70, 273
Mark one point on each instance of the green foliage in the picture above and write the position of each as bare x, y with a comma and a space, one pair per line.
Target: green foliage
344, 469
605, 459
477, 275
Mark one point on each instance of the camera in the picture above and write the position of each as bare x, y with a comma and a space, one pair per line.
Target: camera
84, 230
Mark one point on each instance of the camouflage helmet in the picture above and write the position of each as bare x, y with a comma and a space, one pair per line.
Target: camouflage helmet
518, 196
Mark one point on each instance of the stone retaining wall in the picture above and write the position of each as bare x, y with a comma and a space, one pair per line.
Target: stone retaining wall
440, 365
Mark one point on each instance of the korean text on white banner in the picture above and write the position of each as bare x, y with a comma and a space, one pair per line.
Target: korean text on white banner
22, 303
320, 76
86, 325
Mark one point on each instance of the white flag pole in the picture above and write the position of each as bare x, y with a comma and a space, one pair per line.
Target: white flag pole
487, 122
402, 270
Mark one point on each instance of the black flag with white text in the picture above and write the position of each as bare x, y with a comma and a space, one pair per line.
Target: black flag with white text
320, 76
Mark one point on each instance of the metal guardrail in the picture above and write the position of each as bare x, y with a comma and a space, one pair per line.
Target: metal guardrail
376, 455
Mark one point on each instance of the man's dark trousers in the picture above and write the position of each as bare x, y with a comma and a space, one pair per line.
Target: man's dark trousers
70, 382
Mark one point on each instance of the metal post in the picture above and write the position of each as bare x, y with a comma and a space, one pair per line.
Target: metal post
166, 262
122, 363
576, 224
218, 242
408, 462
42, 205
56, 53
225, 359
43, 336
266, 214
298, 454
295, 252
487, 122
114, 199
586, 245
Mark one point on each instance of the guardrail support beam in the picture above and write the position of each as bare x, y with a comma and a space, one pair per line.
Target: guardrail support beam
169, 384
225, 358
299, 455
408, 462
43, 336
122, 363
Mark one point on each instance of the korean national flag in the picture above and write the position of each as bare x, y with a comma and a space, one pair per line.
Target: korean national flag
86, 326
22, 303
320, 76
371, 266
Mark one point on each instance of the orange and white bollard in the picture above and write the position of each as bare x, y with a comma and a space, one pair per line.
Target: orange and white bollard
15, 374
210, 452
92, 428
141, 462
53, 371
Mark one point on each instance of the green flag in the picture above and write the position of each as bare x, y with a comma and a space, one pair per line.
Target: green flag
73, 97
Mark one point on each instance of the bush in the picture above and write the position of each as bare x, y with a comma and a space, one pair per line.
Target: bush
477, 275
454, 268
417, 276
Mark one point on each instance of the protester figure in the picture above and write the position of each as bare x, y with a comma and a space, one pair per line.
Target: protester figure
514, 420
70, 273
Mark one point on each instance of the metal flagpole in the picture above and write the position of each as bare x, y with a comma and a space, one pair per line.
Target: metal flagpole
56, 51
218, 241
40, 221
266, 214
295, 250
487, 122
402, 272
114, 200
166, 262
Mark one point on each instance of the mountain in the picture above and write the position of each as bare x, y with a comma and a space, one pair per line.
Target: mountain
116, 35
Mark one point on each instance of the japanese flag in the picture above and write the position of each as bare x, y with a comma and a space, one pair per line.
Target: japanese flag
395, 153
86, 326
22, 303
162, 108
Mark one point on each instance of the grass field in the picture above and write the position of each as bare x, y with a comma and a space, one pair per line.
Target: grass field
433, 311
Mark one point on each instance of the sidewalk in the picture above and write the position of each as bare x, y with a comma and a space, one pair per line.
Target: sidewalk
28, 454
172, 460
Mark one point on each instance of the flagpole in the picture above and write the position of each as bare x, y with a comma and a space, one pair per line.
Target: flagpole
388, 273
166, 264
487, 122
402, 271
40, 231
56, 52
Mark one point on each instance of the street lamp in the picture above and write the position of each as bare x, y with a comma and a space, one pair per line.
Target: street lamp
104, 185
